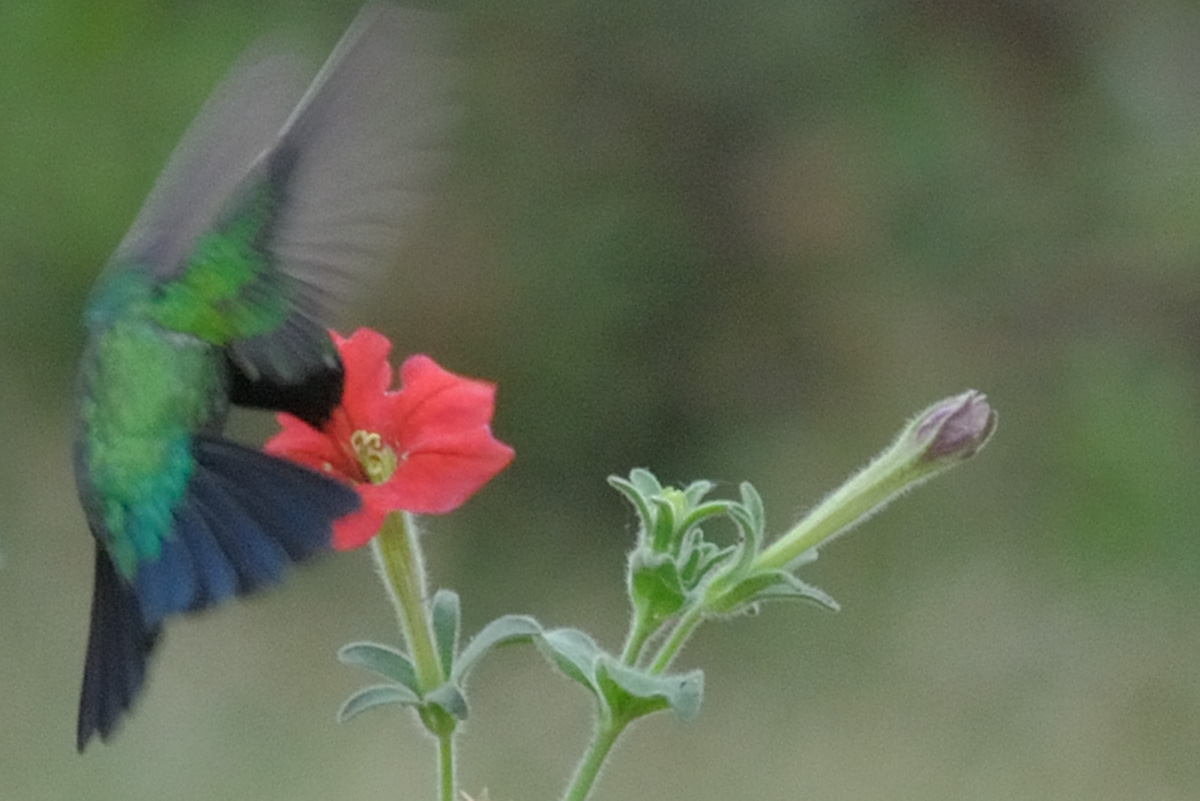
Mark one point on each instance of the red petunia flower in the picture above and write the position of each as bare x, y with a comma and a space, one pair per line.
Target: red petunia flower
424, 448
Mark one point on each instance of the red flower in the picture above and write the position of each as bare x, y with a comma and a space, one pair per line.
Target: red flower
424, 448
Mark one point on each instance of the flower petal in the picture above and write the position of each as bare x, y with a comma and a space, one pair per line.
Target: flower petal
357, 528
300, 442
434, 402
443, 473
368, 374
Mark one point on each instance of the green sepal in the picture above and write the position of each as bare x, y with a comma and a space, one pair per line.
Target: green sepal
629, 693
655, 586
697, 557
382, 659
752, 503
377, 695
702, 512
768, 586
446, 618
749, 521
501, 631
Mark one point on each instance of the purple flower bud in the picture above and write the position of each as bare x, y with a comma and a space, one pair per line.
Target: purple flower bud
955, 428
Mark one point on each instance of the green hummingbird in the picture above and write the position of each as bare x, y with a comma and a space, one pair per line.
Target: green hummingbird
277, 200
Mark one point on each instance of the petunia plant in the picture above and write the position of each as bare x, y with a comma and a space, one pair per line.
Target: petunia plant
426, 446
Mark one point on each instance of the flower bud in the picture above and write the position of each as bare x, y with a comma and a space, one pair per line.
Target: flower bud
955, 428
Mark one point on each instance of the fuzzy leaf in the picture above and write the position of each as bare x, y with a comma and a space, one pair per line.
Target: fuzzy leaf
645, 481
702, 512
769, 586
382, 659
573, 652
792, 588
753, 504
664, 524
501, 631
696, 491
654, 585
449, 698
377, 695
640, 505
630, 693
446, 618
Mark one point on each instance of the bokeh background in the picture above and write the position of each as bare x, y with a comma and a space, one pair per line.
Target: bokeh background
741, 241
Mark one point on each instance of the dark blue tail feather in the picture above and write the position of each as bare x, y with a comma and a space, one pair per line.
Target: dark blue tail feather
243, 517
119, 644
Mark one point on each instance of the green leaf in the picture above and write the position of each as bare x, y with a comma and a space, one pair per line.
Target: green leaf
501, 631
699, 557
768, 586
753, 504
374, 696
573, 652
664, 524
640, 505
645, 481
654, 585
696, 491
793, 589
449, 698
382, 659
446, 618
704, 511
630, 693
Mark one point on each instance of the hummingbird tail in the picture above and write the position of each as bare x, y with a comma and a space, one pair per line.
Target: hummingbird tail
243, 518
119, 645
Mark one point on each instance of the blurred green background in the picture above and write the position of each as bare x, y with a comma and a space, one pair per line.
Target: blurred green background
741, 241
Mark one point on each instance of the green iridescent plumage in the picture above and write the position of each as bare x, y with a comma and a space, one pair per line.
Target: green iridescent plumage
277, 200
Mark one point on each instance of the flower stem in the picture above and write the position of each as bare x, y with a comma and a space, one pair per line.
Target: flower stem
639, 632
683, 629
446, 767
398, 554
399, 557
607, 733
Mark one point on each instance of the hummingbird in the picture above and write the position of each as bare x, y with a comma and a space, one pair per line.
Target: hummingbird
277, 201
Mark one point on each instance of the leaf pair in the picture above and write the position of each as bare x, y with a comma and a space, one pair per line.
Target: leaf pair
403, 687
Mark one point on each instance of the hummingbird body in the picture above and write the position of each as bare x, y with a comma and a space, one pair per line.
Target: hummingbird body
145, 391
220, 295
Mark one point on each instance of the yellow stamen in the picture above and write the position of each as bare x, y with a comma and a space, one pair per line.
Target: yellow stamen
377, 459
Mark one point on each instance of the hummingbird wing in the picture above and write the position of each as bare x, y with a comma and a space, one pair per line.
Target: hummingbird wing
259, 241
241, 119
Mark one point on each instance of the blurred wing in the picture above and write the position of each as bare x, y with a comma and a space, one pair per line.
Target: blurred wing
361, 149
237, 124
326, 205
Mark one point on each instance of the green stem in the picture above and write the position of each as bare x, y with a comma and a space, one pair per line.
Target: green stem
399, 557
853, 502
446, 767
639, 632
683, 629
589, 768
